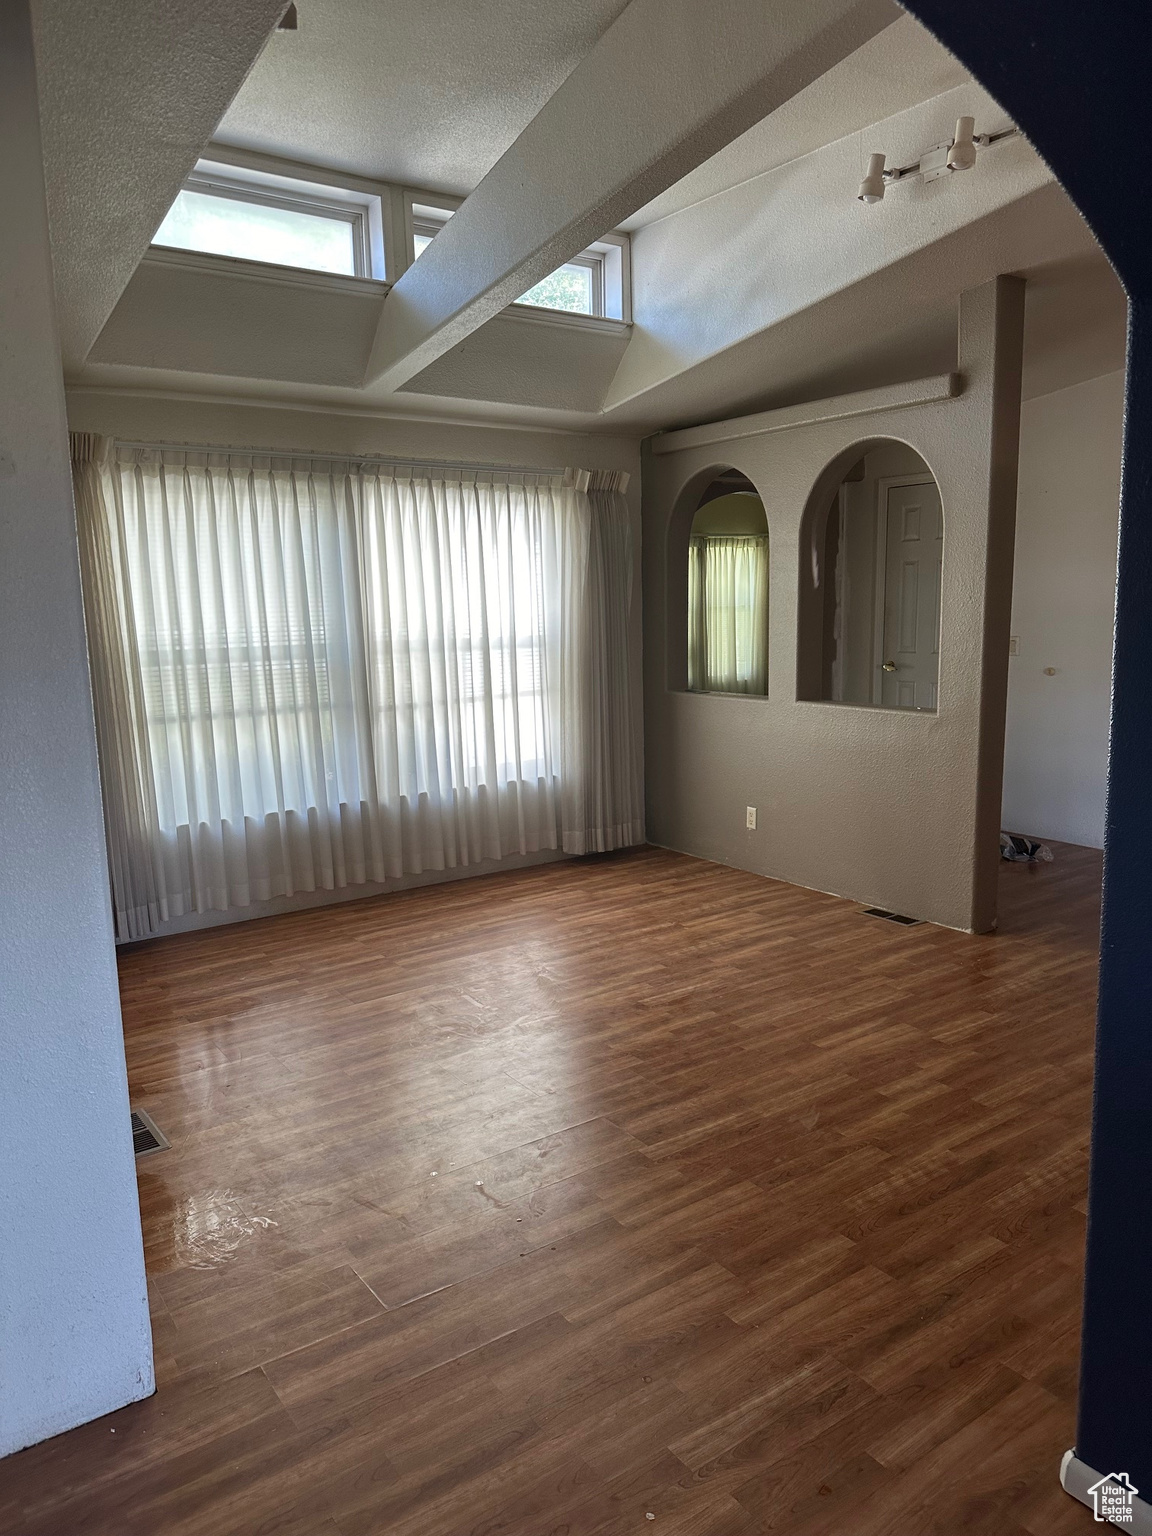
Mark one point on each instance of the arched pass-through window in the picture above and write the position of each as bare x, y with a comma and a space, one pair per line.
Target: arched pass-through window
871, 559
728, 589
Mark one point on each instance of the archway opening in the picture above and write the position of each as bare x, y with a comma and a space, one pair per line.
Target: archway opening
728, 570
870, 582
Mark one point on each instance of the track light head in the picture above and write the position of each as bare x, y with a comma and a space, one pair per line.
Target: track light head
962, 153
872, 187
934, 163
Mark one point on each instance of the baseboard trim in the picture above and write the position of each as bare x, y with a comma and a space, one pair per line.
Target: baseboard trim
305, 901
1076, 1477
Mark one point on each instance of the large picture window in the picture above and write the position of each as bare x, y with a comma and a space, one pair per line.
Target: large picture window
312, 673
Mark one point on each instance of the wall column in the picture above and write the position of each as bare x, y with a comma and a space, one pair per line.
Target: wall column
74, 1333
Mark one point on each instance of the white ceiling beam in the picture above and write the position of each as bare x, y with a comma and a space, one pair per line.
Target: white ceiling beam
667, 85
130, 92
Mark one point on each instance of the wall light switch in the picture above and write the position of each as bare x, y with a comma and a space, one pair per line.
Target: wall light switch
750, 818
1013, 645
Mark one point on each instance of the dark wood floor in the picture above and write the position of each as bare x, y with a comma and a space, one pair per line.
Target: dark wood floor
628, 1189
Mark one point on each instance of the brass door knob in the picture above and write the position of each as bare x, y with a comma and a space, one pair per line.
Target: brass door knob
890, 666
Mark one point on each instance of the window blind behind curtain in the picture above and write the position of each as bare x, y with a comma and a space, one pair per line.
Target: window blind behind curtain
313, 673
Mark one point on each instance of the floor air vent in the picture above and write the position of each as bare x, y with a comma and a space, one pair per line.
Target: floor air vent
891, 917
146, 1135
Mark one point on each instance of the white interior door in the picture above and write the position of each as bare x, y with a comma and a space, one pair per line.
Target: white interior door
914, 545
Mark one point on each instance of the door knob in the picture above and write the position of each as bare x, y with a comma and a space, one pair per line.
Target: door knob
890, 666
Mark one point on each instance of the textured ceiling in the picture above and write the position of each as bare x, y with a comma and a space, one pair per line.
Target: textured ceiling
405, 92
432, 95
898, 67
899, 323
425, 92
129, 94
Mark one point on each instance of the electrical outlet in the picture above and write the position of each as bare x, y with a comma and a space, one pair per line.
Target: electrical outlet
750, 818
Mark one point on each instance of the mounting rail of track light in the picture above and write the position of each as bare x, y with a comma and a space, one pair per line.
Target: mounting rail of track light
941, 160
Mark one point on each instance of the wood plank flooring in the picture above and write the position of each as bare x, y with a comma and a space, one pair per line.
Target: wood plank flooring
627, 1194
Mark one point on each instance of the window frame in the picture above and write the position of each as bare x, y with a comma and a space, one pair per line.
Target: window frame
353, 205
425, 213
595, 262
386, 219
609, 259
236, 191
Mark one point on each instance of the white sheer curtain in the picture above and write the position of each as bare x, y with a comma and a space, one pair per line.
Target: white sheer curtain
728, 615
311, 673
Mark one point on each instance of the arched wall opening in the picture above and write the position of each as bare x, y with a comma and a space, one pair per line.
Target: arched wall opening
846, 797
728, 575
870, 574
723, 504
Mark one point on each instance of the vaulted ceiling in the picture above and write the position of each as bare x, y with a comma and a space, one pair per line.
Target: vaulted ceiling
432, 95
727, 138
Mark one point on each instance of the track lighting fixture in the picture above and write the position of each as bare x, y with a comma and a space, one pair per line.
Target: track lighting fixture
962, 151
872, 187
942, 159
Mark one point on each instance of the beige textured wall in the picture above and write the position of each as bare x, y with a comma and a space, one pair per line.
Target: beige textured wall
881, 806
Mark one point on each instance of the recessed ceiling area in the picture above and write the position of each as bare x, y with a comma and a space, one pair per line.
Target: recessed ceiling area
429, 95
1075, 329
729, 315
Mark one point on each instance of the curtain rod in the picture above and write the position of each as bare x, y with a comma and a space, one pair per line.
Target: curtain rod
341, 458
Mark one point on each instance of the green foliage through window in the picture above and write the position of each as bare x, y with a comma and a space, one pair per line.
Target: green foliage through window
568, 288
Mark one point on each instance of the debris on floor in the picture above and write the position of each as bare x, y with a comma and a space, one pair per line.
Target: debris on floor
1023, 850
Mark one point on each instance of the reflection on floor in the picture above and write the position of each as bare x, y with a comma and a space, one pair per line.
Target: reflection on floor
626, 1187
